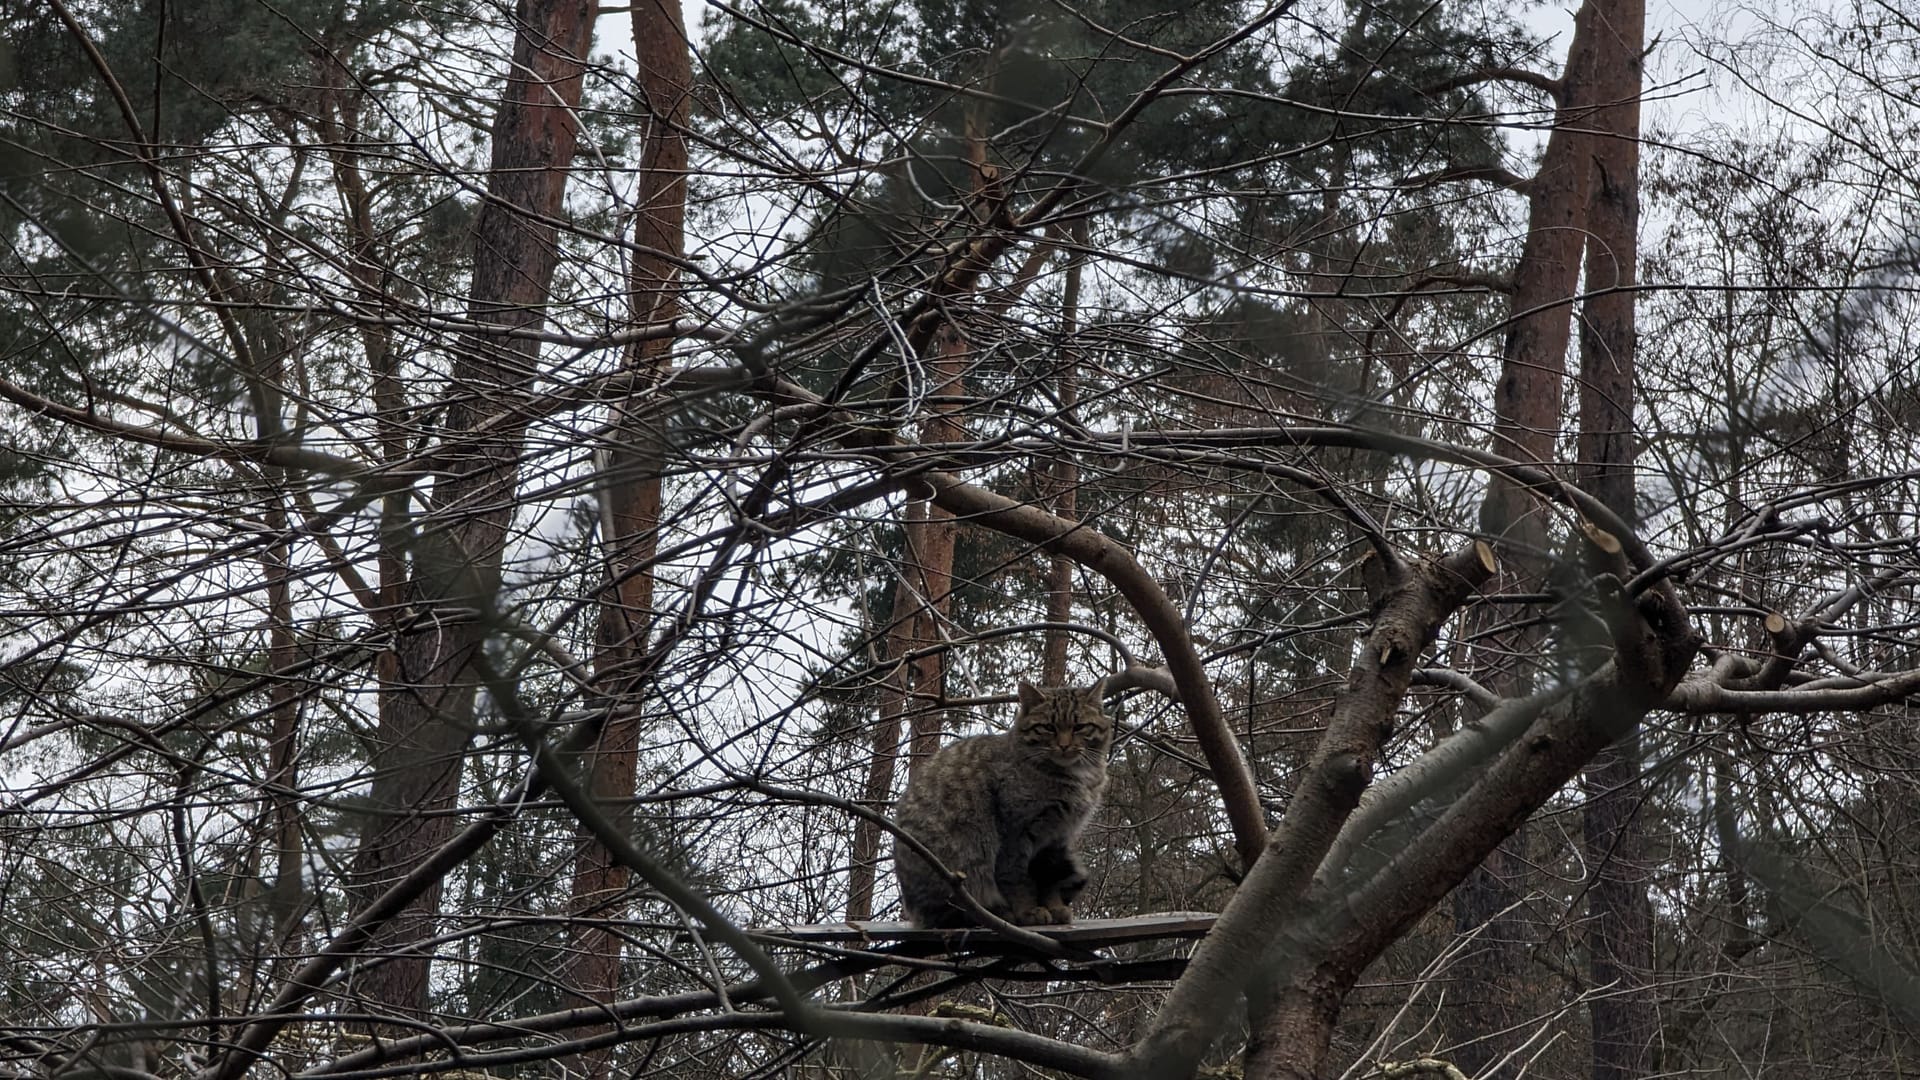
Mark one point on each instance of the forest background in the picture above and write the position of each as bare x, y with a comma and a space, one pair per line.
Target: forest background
497, 497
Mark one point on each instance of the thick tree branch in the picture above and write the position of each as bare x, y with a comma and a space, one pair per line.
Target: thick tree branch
1415, 602
1456, 756
252, 451
1496, 175
1702, 692
1540, 81
1653, 645
1104, 556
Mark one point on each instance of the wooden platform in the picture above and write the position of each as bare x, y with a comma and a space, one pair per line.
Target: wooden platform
1087, 933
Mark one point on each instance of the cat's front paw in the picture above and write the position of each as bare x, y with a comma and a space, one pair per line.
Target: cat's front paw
1061, 914
1034, 916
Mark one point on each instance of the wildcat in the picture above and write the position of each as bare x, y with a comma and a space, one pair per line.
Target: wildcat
1005, 810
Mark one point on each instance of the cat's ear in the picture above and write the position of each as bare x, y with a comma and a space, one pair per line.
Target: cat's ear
1098, 691
1029, 696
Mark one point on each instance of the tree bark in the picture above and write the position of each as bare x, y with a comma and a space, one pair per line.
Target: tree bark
1490, 996
426, 700
931, 550
288, 895
634, 463
921, 600
1063, 475
1619, 913
1412, 605
1293, 1035
904, 629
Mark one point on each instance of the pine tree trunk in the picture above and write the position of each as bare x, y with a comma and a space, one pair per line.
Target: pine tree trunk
1491, 996
632, 494
921, 601
288, 895
932, 554
427, 695
1619, 913
1063, 474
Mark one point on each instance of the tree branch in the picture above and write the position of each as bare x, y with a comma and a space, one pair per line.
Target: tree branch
1158, 613
1546, 84
1496, 175
1416, 601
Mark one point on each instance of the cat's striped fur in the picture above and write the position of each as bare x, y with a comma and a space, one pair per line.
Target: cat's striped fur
1006, 810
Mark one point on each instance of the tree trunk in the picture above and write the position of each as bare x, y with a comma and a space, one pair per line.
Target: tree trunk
1063, 475
1293, 1032
904, 633
1619, 913
1486, 1003
1619, 917
1289, 1037
632, 494
919, 668
932, 558
427, 695
884, 749
921, 600
1489, 995
287, 897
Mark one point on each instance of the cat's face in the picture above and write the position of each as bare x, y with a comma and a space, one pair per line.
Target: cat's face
1063, 725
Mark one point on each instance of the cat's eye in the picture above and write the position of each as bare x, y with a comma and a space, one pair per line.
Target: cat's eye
1085, 729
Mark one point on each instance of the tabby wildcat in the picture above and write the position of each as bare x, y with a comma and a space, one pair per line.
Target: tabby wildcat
1005, 811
